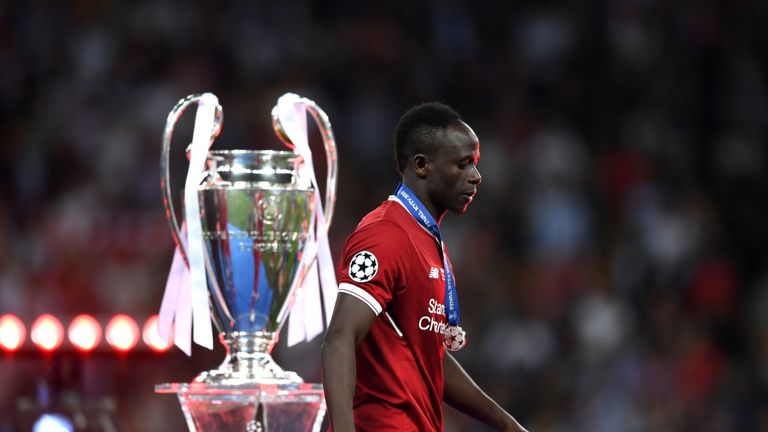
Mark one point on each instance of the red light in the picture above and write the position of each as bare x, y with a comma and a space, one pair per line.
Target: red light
47, 332
122, 332
12, 332
152, 337
84, 332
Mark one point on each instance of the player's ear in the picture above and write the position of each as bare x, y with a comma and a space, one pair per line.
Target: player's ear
420, 164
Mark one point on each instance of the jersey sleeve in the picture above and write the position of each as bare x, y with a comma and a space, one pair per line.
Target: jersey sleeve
373, 265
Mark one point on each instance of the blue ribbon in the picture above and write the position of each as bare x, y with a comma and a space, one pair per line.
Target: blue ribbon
422, 216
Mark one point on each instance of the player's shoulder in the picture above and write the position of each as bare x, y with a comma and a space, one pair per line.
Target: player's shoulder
385, 223
389, 216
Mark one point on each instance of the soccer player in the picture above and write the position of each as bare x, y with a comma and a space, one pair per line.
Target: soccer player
384, 362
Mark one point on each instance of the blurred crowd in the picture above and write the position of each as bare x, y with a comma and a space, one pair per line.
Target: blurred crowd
612, 270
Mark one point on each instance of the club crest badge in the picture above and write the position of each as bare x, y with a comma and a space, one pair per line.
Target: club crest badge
363, 266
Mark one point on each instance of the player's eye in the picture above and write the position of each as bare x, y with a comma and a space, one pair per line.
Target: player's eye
465, 163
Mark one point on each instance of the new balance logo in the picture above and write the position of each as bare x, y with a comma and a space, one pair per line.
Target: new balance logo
434, 273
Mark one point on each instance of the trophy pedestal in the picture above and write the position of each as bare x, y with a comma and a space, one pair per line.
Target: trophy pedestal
250, 407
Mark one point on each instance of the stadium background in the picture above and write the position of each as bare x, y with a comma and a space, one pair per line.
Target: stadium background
612, 269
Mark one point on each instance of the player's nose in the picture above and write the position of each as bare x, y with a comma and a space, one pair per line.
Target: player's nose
474, 176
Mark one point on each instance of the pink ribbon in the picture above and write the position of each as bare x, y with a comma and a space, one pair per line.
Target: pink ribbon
306, 318
185, 301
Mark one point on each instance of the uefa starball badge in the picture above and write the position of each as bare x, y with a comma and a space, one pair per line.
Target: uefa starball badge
363, 266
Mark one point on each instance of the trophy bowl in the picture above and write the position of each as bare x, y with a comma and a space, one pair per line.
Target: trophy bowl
255, 210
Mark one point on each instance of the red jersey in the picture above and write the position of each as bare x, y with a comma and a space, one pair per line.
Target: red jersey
393, 265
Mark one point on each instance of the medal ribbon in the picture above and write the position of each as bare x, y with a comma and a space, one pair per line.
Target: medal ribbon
422, 216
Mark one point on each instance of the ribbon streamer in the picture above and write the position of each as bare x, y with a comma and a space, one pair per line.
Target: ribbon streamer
306, 318
185, 301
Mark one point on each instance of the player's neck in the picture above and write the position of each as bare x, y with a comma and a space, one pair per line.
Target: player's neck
419, 188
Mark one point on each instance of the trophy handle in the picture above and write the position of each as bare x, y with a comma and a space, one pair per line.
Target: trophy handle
324, 125
165, 184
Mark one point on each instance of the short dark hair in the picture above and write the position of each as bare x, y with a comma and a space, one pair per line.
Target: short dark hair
416, 131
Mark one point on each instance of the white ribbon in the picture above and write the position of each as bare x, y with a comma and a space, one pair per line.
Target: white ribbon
185, 301
306, 319
178, 281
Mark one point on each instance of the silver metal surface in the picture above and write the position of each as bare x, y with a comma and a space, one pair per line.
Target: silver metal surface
255, 208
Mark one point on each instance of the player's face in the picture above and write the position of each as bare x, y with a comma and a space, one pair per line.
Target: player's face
453, 178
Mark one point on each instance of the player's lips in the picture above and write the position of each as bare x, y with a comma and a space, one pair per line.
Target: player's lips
469, 194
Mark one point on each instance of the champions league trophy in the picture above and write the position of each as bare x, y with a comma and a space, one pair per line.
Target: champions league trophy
257, 240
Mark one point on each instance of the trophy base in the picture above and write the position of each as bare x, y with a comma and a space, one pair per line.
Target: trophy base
248, 362
251, 371
259, 407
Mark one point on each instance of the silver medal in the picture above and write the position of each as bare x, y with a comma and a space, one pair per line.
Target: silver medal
454, 338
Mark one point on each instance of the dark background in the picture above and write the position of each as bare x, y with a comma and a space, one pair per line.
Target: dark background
612, 270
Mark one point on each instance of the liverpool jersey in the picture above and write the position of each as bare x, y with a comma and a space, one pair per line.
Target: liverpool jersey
394, 266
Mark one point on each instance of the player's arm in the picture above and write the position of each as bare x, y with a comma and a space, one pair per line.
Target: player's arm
350, 323
462, 393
